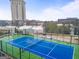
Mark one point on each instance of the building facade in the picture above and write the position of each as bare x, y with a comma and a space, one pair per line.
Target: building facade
18, 12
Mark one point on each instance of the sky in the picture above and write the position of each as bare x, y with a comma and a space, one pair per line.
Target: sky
45, 10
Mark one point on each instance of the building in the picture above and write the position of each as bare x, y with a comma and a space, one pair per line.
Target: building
72, 22
5, 22
68, 20
18, 12
34, 22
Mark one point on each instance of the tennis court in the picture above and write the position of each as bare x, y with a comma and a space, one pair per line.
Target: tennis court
48, 50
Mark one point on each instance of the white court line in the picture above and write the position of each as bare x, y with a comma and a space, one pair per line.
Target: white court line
33, 50
42, 53
46, 46
26, 46
16, 38
26, 41
17, 44
73, 53
13, 44
19, 38
33, 44
52, 49
22, 41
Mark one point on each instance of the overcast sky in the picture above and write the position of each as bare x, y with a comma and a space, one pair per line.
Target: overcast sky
43, 9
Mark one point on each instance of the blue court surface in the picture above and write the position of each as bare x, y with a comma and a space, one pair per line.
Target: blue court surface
48, 50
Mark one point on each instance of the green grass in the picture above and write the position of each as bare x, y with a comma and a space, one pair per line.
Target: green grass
25, 54
76, 54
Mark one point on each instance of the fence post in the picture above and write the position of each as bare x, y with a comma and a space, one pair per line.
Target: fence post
29, 55
1, 45
20, 53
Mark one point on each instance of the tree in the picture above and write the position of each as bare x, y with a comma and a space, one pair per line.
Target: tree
50, 27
